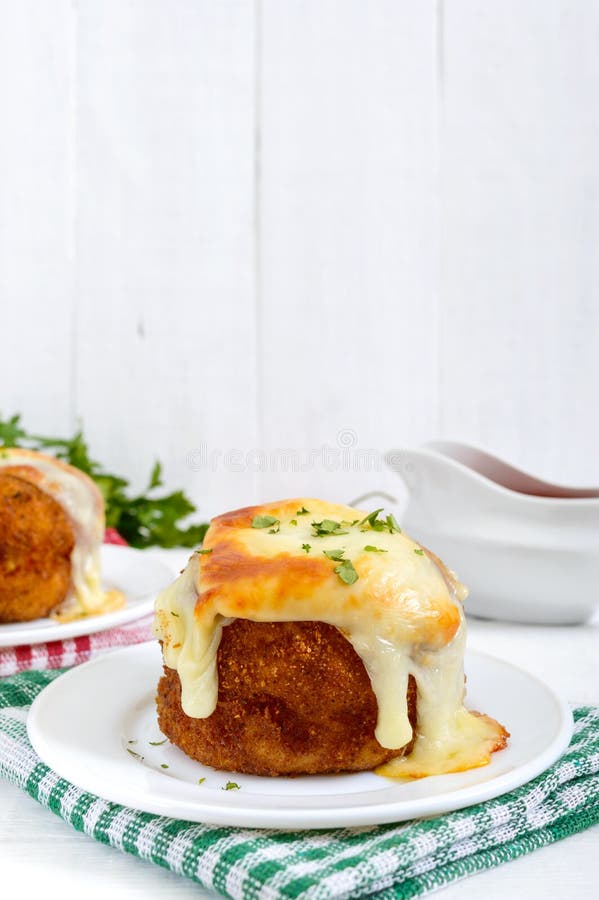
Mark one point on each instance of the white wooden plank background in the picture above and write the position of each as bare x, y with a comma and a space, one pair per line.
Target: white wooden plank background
36, 214
520, 192
251, 227
165, 283
347, 235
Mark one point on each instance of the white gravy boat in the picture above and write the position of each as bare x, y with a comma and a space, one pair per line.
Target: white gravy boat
528, 550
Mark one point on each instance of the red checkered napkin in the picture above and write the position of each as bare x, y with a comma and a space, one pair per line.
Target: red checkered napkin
70, 652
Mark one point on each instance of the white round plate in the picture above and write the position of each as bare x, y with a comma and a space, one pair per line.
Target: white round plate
96, 726
136, 573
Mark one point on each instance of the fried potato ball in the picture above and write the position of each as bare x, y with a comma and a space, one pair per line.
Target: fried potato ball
294, 698
36, 540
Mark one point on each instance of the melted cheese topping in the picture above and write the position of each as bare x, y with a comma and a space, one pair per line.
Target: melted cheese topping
403, 616
82, 501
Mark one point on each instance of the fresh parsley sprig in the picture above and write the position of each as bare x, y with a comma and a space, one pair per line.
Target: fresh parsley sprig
144, 520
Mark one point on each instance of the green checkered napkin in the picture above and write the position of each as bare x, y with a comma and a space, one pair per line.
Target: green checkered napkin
406, 860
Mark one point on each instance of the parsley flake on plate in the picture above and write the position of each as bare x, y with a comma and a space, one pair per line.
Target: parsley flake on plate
133, 753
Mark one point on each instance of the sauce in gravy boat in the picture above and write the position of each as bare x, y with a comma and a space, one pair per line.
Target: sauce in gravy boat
527, 549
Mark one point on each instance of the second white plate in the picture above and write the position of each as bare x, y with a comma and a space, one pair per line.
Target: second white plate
96, 726
137, 573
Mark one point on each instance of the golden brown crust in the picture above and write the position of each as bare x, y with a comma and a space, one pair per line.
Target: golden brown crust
294, 698
36, 540
230, 567
243, 573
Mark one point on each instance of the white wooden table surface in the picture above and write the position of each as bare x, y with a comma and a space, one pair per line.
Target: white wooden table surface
40, 852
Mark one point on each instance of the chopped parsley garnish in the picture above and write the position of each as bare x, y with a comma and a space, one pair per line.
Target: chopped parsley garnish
204, 552
293, 522
306, 547
132, 741
202, 780
327, 527
157, 743
264, 521
373, 522
303, 512
275, 530
371, 519
176, 615
420, 551
372, 549
392, 524
133, 753
346, 572
163, 766
336, 555
231, 786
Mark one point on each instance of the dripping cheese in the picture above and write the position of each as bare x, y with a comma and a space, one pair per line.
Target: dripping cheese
402, 615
